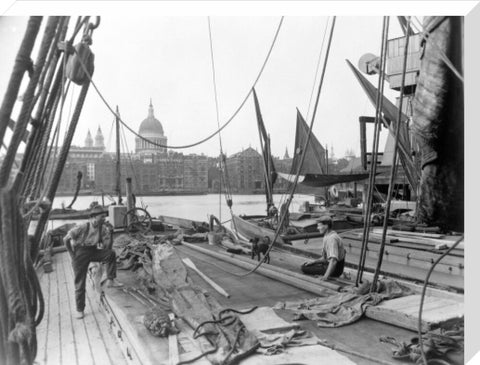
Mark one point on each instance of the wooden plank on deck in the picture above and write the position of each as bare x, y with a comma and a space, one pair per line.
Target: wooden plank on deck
403, 312
43, 327
53, 349
64, 339
68, 346
82, 345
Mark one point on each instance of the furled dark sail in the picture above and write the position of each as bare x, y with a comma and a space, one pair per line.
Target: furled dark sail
438, 124
390, 114
270, 172
313, 170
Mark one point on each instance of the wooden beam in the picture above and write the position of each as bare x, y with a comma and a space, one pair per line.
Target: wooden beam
308, 278
213, 284
403, 312
423, 241
173, 357
320, 288
395, 232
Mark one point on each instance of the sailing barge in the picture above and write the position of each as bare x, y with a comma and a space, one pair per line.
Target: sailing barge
189, 300
115, 317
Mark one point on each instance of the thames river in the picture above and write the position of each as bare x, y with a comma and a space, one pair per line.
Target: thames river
196, 207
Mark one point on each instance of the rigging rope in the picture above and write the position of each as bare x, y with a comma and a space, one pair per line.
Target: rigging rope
222, 157
132, 166
40, 161
44, 109
290, 198
22, 64
376, 138
317, 68
21, 299
212, 134
425, 33
212, 58
394, 163
62, 159
422, 298
27, 104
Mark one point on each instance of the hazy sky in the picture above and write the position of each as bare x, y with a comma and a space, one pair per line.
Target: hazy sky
167, 59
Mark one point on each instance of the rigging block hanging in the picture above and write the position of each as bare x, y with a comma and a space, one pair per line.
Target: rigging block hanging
81, 59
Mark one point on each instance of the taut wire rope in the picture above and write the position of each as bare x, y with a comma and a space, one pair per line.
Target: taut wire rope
212, 134
317, 68
393, 170
289, 200
376, 138
214, 80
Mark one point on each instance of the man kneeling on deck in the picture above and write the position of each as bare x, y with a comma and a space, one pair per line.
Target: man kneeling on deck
89, 242
331, 264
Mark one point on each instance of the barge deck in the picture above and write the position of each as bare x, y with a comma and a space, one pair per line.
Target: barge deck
112, 331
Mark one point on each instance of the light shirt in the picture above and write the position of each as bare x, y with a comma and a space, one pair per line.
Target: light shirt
333, 246
87, 234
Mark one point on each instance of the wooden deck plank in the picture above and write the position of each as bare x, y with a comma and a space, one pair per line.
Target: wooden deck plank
104, 347
429, 304
403, 312
245, 291
42, 329
455, 267
415, 254
54, 353
82, 346
68, 347
95, 338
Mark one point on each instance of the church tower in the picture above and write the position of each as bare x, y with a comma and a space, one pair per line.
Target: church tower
99, 140
89, 140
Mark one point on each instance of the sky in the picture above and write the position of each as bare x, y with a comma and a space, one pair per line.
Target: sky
167, 59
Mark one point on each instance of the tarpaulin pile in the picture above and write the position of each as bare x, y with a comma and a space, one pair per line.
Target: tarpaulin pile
437, 344
343, 308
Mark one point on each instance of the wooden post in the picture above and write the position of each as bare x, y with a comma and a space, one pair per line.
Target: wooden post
130, 204
117, 166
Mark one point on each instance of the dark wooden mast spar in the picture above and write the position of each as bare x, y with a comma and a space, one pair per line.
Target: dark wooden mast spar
118, 172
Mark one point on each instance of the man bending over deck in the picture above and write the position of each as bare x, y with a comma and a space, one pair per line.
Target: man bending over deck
87, 242
331, 264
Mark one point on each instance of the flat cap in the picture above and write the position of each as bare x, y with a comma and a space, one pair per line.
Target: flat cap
97, 210
324, 219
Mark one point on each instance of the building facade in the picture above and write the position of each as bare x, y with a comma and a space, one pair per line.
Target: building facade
152, 168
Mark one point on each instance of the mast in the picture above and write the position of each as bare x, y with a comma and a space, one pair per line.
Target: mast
118, 174
327, 198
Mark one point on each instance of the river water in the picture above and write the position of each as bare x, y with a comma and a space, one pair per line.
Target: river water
196, 207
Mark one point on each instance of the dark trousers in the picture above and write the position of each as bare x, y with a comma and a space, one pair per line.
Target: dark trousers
81, 259
320, 268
